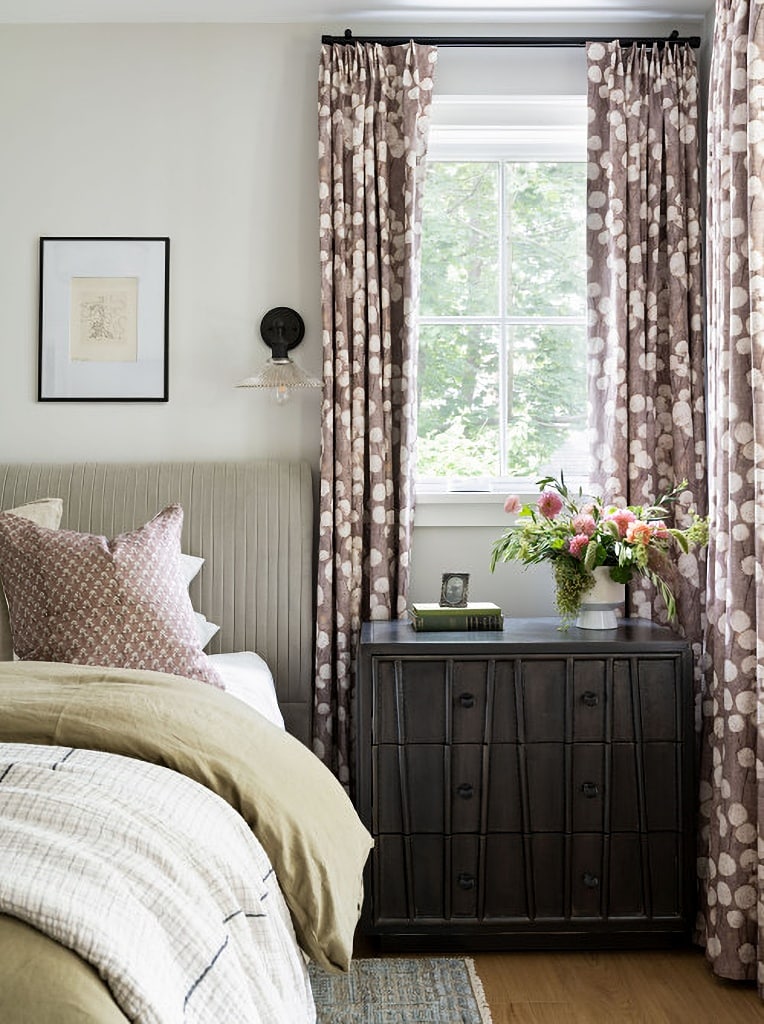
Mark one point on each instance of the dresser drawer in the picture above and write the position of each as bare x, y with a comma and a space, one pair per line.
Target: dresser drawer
427, 788
564, 878
541, 878
426, 878
532, 700
422, 701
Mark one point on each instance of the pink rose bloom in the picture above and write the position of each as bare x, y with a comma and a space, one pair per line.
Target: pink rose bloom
584, 523
660, 530
639, 533
578, 544
549, 504
622, 517
512, 504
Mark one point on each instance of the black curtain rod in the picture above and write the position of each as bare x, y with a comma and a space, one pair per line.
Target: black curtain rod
551, 41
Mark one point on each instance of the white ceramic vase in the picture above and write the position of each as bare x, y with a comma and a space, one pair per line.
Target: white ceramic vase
598, 608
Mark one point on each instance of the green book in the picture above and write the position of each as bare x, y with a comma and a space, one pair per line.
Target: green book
434, 617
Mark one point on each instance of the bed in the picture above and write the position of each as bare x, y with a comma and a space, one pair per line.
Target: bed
170, 848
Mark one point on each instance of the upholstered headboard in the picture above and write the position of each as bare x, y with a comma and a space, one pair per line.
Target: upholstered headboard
252, 522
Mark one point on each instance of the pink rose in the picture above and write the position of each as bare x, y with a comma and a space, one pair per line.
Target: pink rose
578, 545
583, 523
549, 504
512, 504
660, 530
622, 517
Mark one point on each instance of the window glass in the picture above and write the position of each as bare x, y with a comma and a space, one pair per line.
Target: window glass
545, 237
502, 341
461, 224
546, 411
459, 404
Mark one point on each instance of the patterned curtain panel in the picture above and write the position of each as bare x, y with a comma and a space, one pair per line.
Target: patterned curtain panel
373, 110
732, 787
646, 359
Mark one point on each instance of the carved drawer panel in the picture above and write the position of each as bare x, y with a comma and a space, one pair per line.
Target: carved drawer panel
428, 788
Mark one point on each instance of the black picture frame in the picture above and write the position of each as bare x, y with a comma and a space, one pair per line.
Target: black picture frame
104, 319
454, 589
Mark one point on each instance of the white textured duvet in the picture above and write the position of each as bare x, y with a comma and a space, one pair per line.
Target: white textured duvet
155, 881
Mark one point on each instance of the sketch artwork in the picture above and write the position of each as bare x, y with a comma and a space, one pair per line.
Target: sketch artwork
104, 319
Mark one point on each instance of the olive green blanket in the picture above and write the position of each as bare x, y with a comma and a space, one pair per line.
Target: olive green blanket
298, 810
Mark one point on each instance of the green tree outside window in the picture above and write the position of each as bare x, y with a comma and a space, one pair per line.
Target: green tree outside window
502, 347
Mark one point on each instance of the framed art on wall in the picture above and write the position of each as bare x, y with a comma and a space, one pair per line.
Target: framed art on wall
103, 332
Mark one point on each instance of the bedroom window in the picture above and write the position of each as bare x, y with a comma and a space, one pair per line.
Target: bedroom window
502, 346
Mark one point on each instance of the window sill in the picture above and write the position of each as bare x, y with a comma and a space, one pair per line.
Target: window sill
464, 508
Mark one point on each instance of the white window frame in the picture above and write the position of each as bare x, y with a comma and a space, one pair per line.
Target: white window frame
500, 128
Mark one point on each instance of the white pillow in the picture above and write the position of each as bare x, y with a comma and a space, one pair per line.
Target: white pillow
247, 677
190, 566
205, 630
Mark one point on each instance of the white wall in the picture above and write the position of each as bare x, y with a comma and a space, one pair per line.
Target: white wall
207, 134
203, 133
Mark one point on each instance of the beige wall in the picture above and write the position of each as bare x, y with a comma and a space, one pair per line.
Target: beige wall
207, 134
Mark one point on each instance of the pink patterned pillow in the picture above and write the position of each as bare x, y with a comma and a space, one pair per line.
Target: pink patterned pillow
86, 600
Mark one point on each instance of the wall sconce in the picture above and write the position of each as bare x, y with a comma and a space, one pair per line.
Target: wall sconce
282, 329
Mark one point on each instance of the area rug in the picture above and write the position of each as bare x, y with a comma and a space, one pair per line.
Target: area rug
411, 990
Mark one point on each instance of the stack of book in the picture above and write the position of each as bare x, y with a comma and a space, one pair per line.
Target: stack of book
426, 617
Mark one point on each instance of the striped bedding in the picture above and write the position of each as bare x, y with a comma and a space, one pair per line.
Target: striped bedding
166, 854
155, 881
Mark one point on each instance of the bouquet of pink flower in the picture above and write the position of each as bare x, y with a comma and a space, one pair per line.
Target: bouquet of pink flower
579, 534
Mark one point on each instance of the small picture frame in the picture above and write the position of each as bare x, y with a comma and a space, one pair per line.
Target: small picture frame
454, 589
103, 331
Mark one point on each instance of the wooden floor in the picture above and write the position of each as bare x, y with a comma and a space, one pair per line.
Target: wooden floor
641, 987
664, 987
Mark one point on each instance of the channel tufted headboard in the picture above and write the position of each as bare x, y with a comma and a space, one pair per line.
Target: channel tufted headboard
252, 522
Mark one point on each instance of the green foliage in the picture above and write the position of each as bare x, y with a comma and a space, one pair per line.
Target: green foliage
460, 257
458, 401
468, 371
457, 455
546, 210
571, 582
547, 387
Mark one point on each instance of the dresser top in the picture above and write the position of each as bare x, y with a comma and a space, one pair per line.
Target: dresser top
535, 635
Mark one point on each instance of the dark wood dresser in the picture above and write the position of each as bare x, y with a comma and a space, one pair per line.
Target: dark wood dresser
529, 788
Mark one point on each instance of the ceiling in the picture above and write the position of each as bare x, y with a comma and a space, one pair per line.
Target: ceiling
330, 11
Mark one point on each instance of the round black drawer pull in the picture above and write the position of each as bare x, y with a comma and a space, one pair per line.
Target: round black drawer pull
591, 881
466, 881
590, 789
590, 698
467, 700
465, 790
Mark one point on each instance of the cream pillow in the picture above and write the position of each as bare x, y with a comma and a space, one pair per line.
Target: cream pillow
45, 512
